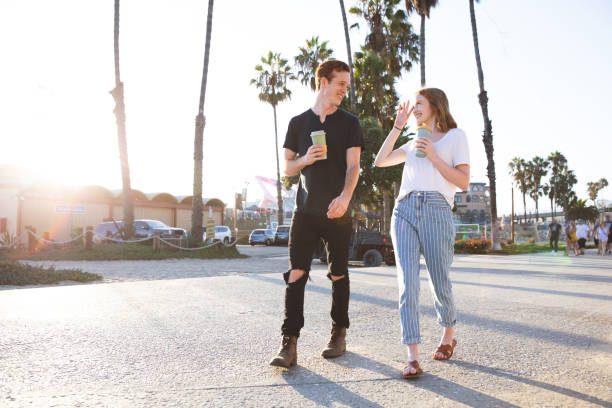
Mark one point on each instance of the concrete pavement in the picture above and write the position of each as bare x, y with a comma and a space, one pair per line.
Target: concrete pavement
533, 330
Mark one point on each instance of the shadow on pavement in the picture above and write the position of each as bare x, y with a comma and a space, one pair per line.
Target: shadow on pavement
547, 335
338, 394
534, 383
524, 272
525, 289
432, 383
490, 285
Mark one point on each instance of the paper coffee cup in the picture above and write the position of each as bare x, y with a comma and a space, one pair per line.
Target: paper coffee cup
318, 138
422, 131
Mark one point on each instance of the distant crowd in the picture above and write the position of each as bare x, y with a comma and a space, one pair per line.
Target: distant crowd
578, 233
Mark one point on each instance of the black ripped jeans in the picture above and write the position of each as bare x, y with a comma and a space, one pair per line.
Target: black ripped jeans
306, 231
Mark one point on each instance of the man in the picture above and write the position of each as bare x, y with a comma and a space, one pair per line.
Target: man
325, 189
554, 230
582, 233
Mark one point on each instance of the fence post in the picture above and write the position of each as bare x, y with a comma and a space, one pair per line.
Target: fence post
32, 241
88, 238
156, 242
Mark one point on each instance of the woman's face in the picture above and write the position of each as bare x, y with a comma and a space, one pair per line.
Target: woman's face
422, 110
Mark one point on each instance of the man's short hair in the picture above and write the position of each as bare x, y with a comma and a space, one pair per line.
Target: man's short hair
327, 69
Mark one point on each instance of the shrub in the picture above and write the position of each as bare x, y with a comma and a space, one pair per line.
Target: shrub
14, 273
481, 244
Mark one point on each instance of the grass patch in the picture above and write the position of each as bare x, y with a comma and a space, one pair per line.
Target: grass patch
16, 274
114, 252
517, 249
513, 249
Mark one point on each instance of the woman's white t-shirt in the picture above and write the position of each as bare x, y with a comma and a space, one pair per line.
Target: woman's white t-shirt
421, 175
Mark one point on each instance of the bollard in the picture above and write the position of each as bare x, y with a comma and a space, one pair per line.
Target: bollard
89, 238
156, 242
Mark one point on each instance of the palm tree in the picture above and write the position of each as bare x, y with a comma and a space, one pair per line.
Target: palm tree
565, 195
352, 97
594, 187
391, 34
536, 169
579, 209
391, 47
519, 174
273, 75
422, 7
557, 162
548, 191
117, 93
198, 145
309, 59
487, 137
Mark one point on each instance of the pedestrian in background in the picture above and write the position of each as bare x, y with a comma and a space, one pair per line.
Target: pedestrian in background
554, 231
602, 234
570, 237
583, 232
596, 235
608, 224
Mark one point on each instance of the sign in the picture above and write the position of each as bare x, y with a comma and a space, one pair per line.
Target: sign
67, 209
210, 229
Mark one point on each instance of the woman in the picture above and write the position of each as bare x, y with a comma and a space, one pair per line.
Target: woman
602, 233
422, 220
572, 239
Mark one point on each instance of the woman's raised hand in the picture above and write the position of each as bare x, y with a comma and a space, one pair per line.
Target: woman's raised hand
403, 113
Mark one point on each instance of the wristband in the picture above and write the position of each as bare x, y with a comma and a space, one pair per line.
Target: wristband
397, 128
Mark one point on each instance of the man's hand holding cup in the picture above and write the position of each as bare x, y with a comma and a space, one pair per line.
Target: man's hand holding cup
314, 153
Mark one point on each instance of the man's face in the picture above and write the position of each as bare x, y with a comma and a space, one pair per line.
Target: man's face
335, 90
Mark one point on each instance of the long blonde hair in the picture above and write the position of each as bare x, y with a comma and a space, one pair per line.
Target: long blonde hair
439, 104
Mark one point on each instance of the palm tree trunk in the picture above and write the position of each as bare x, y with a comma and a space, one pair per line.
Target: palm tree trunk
387, 210
117, 93
281, 211
552, 211
487, 137
524, 209
352, 97
537, 211
422, 50
198, 144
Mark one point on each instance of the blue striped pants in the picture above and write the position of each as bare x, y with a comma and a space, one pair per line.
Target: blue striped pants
422, 223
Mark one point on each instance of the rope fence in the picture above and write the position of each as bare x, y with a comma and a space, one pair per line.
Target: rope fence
88, 236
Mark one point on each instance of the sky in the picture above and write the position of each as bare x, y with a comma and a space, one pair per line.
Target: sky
546, 70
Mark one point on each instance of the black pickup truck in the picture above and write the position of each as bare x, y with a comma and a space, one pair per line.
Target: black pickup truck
367, 245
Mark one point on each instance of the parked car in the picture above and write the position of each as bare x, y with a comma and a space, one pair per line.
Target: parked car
281, 235
222, 233
142, 229
262, 236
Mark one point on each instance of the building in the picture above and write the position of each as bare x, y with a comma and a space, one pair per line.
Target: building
474, 204
57, 211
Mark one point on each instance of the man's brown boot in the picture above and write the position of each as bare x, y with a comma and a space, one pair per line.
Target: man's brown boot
287, 354
337, 343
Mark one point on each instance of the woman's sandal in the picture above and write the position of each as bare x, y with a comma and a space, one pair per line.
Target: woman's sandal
406, 374
446, 350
